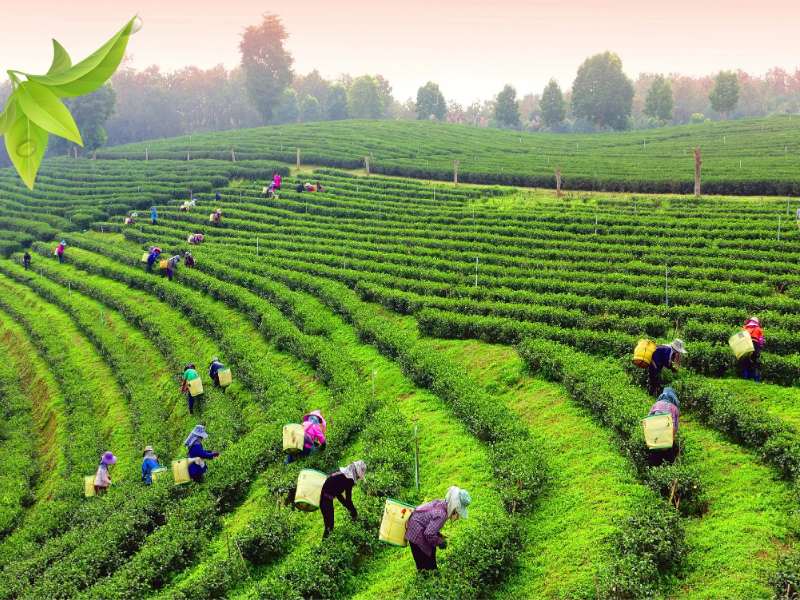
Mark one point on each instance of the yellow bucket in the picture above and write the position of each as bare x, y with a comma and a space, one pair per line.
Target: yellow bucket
395, 520
293, 438
658, 431
195, 386
145, 256
643, 353
157, 472
742, 344
163, 263
211, 218
309, 489
224, 377
180, 471
88, 486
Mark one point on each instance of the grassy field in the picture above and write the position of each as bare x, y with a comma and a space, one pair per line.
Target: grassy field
497, 320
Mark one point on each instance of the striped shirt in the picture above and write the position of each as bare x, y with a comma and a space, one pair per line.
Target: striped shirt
425, 524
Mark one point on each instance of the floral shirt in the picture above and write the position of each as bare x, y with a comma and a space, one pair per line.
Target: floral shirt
665, 408
425, 524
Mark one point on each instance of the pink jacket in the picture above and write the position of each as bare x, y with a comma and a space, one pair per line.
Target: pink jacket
60, 249
313, 432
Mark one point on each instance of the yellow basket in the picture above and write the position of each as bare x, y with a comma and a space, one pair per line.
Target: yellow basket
224, 377
195, 386
742, 344
55, 252
309, 489
211, 218
163, 263
395, 521
157, 472
658, 431
293, 438
180, 471
88, 486
643, 353
145, 256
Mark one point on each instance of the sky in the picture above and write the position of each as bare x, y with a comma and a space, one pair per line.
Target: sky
471, 48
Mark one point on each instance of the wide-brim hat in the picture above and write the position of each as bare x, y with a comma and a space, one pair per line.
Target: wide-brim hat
677, 345
147, 449
108, 458
753, 320
199, 431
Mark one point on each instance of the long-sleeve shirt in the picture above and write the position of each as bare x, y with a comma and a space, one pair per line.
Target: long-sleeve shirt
153, 214
662, 408
313, 432
147, 467
60, 249
153, 257
662, 357
215, 366
340, 487
102, 479
756, 333
424, 525
197, 451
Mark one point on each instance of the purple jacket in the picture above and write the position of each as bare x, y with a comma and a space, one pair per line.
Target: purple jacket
425, 524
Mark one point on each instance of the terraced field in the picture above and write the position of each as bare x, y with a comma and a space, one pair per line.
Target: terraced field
499, 321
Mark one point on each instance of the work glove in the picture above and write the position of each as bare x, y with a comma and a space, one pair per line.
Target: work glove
443, 545
216, 454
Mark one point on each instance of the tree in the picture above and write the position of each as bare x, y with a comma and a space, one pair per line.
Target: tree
91, 112
430, 102
336, 102
312, 84
659, 103
602, 93
287, 112
724, 95
364, 98
552, 105
267, 64
506, 108
386, 91
310, 111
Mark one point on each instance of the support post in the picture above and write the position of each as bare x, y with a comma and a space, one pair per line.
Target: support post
298, 160
233, 154
697, 162
476, 271
146, 154
367, 160
779, 228
187, 155
69, 285
455, 172
558, 181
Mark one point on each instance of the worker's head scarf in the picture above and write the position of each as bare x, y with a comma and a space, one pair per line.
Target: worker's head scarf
198, 433
316, 417
355, 471
753, 321
457, 502
149, 453
669, 395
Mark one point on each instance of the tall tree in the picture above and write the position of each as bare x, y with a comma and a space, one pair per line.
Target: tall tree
552, 105
287, 112
506, 108
602, 93
660, 103
724, 95
336, 102
386, 91
364, 98
431, 102
310, 111
267, 63
312, 84
91, 112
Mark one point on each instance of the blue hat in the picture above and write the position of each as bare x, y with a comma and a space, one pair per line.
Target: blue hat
463, 496
669, 395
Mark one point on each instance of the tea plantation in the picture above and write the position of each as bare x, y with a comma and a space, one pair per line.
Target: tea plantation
498, 321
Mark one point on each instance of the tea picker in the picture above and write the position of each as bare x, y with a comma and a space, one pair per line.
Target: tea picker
301, 440
150, 465
60, 252
339, 485
424, 526
26, 260
746, 345
192, 385
197, 454
172, 264
220, 374
155, 253
661, 429
153, 214
662, 356
188, 260
102, 480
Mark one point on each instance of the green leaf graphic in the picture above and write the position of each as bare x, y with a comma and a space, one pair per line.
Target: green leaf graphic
61, 60
47, 111
90, 73
9, 114
26, 143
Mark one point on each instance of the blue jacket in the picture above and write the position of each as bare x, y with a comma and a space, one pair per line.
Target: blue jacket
661, 357
197, 451
152, 258
153, 214
147, 466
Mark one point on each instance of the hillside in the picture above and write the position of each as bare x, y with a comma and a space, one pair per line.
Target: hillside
746, 157
498, 321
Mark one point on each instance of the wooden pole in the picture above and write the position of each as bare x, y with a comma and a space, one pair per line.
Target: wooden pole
233, 155
697, 162
455, 172
187, 156
367, 160
558, 183
298, 160
146, 154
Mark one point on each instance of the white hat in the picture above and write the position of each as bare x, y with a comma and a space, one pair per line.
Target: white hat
677, 345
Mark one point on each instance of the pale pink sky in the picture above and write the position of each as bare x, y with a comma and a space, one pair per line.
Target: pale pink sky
470, 47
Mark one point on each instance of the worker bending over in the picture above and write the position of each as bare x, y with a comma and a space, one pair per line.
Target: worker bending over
314, 436
102, 480
667, 404
339, 485
149, 463
197, 454
750, 363
212, 371
188, 260
155, 254
423, 530
664, 356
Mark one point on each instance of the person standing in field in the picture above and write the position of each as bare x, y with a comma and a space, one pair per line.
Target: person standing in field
339, 485
423, 530
102, 480
750, 363
277, 181
153, 214
667, 404
665, 356
26, 260
217, 197
60, 252
188, 373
